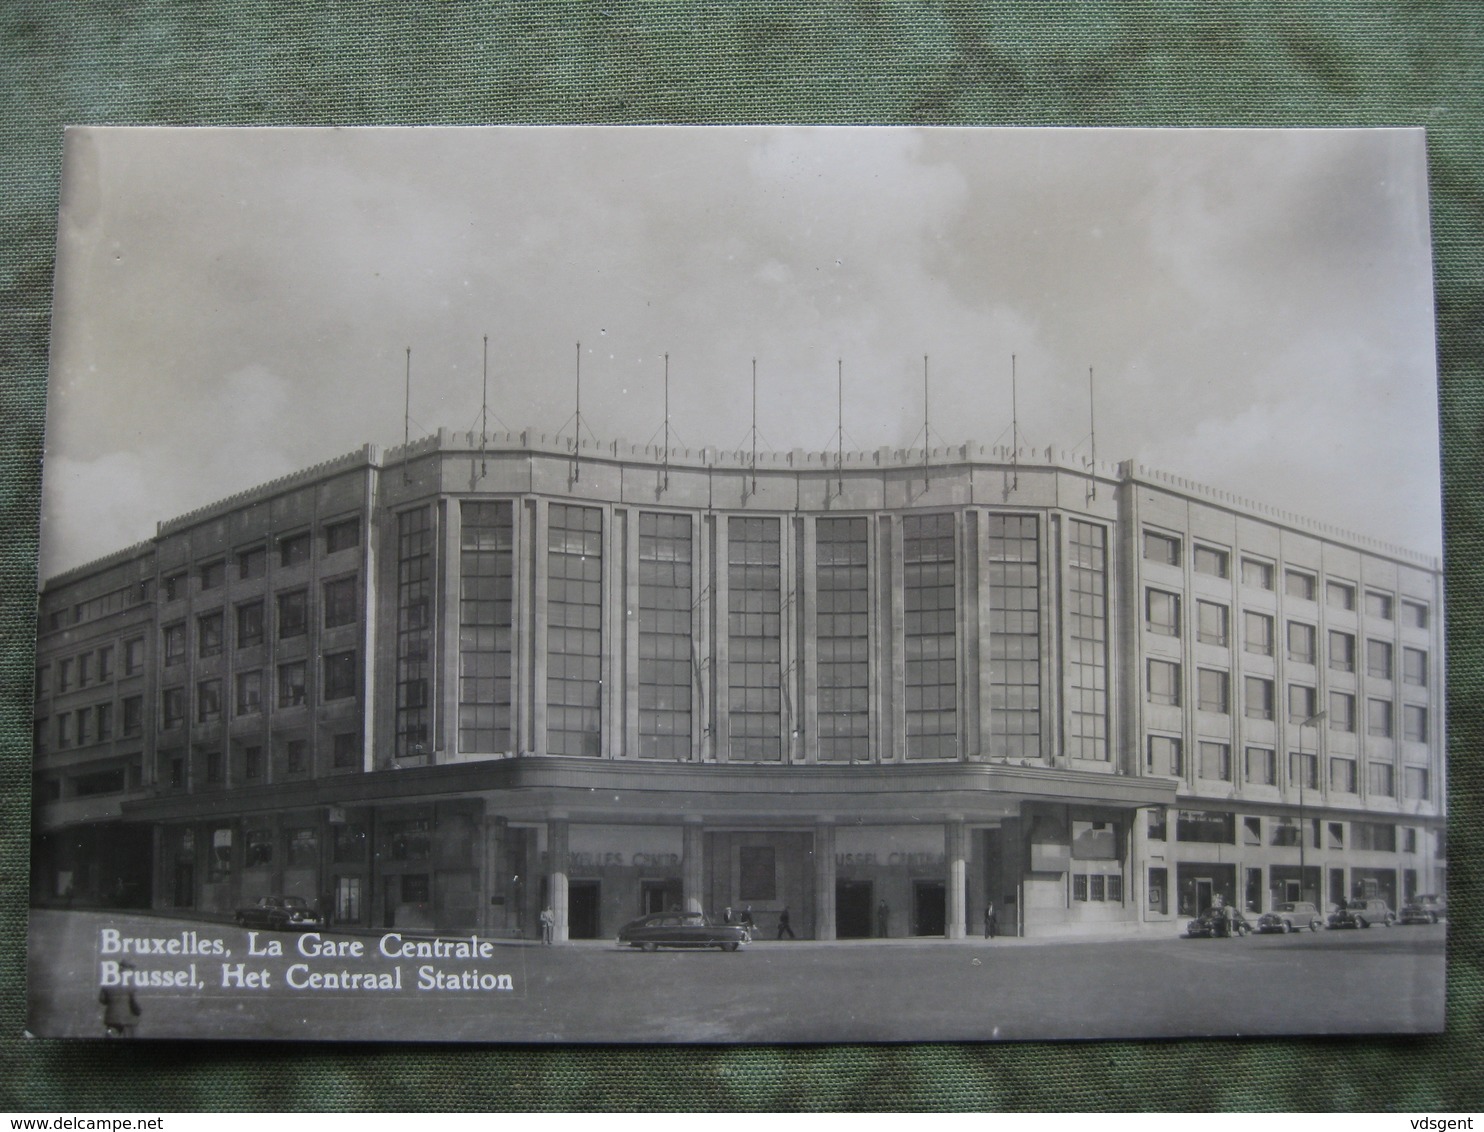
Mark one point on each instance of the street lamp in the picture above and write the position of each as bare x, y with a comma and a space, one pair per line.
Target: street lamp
1313, 721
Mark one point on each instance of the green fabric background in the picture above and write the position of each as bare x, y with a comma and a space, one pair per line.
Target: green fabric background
252, 62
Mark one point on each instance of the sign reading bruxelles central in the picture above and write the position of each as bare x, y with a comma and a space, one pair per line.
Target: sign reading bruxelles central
646, 583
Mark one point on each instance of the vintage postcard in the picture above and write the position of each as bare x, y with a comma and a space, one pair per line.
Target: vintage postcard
740, 584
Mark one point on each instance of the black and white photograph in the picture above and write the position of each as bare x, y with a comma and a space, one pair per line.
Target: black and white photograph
740, 584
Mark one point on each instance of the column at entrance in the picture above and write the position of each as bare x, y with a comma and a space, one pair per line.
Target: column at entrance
557, 864
824, 881
955, 840
693, 872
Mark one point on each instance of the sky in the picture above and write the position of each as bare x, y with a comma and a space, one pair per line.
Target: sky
233, 305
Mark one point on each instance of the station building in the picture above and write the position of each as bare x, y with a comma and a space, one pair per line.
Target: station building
448, 685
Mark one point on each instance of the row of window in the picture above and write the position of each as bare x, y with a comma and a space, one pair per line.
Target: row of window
291, 550
91, 724
1165, 755
1213, 695
1257, 573
1162, 618
339, 607
1215, 827
91, 667
345, 754
339, 683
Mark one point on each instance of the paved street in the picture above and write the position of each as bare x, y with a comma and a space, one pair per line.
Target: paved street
1371, 981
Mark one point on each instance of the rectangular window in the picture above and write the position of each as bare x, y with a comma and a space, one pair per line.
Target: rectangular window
214, 575
342, 535
1262, 766
1163, 549
1341, 711
1373, 836
1382, 779
1257, 574
1299, 584
133, 656
84, 669
1258, 697
1409, 838
293, 550
1252, 831
293, 614
172, 707
1211, 623
84, 726
1159, 891
133, 715
1162, 613
1257, 633
1156, 825
1339, 595
1208, 827
252, 762
175, 586
303, 848
209, 634
64, 729
1164, 682
757, 873
208, 701
1164, 756
930, 636
64, 675
1414, 667
753, 635
1303, 770
1378, 659
291, 684
249, 624
414, 631
249, 692
43, 681
213, 767
1079, 887
1414, 614
252, 563
1378, 605
666, 671
1087, 621
296, 756
340, 602
347, 750
348, 843
340, 676
1208, 560
105, 662
175, 645
258, 851
1418, 782
1342, 775
1342, 651
1212, 686
1216, 761
574, 635
1414, 723
1301, 643
486, 620
1336, 832
1301, 703
1378, 718
843, 626
1012, 557
1096, 886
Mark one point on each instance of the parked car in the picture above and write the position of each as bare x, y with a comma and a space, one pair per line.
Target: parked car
1290, 916
1428, 908
1218, 922
681, 929
1362, 914
280, 913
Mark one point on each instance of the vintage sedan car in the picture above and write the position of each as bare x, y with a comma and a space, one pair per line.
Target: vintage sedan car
1290, 916
1427, 908
1362, 914
1218, 922
681, 929
280, 913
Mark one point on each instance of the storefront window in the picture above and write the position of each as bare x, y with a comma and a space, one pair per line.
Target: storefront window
349, 843
219, 863
1206, 826
259, 852
303, 848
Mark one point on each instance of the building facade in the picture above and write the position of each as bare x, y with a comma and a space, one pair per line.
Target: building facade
446, 686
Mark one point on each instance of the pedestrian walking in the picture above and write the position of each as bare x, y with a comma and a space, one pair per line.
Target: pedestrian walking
991, 921
726, 914
883, 920
548, 926
783, 925
120, 1008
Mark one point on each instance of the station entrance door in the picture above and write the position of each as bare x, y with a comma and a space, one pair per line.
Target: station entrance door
853, 909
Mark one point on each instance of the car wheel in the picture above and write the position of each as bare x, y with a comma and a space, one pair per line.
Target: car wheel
648, 946
1313, 925
1287, 927
1362, 922
731, 947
